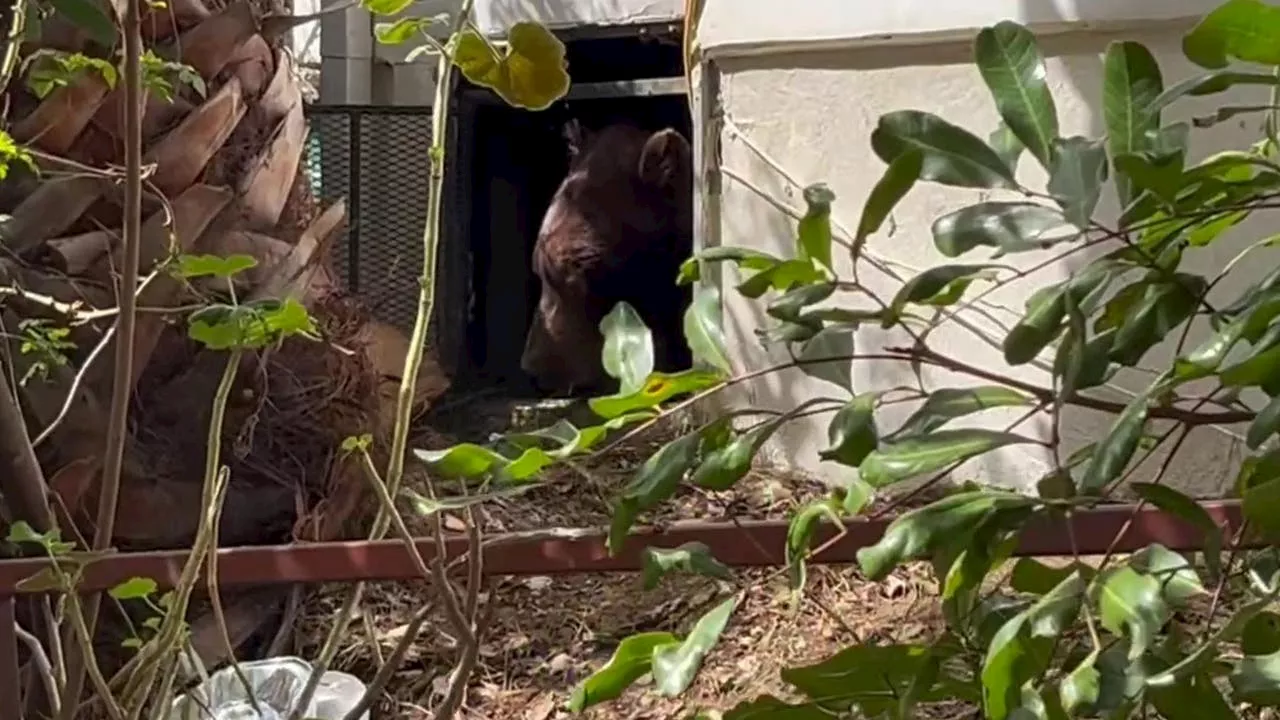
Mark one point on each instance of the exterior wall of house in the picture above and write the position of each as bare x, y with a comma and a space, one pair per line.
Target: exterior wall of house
358, 70
800, 87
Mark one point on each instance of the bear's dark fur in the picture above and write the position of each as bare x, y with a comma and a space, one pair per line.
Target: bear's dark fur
617, 230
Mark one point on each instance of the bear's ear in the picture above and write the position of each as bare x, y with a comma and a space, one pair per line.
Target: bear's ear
665, 157
576, 137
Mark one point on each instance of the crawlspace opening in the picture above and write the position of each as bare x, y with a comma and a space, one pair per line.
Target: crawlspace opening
518, 158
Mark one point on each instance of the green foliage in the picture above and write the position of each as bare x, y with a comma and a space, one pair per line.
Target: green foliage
1011, 64
160, 75
48, 70
673, 662
530, 72
1112, 638
404, 29
631, 661
1009, 227
254, 324
691, 557
46, 344
193, 266
628, 348
11, 152
386, 7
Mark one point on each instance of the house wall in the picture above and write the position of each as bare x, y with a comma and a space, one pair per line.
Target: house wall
800, 88
357, 70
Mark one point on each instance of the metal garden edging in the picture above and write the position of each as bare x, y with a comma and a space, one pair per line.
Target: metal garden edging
738, 544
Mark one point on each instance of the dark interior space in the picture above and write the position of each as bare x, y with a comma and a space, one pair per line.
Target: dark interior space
509, 163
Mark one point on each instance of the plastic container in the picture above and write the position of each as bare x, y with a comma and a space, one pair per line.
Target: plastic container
277, 685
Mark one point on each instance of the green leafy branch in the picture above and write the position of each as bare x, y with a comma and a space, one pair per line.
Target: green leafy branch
528, 72
159, 76
1087, 640
532, 78
47, 70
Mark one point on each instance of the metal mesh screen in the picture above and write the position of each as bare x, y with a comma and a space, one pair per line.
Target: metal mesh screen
328, 164
377, 157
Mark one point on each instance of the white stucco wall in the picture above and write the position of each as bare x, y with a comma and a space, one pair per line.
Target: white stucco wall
800, 91
495, 16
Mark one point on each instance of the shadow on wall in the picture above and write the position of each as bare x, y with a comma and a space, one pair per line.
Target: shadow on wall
775, 99
1210, 456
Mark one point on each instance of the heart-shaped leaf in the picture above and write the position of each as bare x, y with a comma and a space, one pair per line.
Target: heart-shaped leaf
530, 72
401, 31
133, 589
193, 266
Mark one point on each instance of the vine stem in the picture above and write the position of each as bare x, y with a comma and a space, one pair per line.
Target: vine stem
126, 322
43, 666
408, 389
168, 636
926, 355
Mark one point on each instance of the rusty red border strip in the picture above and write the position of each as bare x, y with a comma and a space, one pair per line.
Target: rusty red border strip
744, 544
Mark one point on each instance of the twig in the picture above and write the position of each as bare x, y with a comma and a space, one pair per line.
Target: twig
1186, 417
1128, 523
220, 617
13, 41
408, 379
82, 373
169, 635
389, 507
121, 386
411, 631
329, 649
44, 668
1222, 579
84, 634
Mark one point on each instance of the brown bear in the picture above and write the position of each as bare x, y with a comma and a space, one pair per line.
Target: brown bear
617, 229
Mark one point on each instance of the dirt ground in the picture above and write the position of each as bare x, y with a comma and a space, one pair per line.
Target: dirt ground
548, 633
